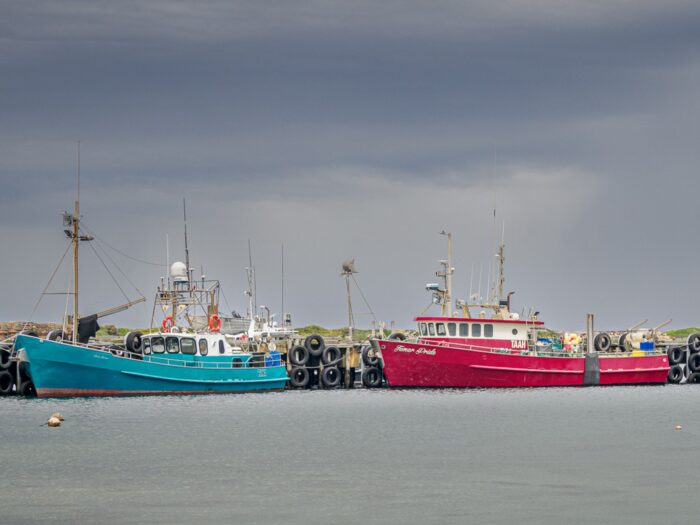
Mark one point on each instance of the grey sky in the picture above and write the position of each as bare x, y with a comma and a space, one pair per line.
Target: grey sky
359, 129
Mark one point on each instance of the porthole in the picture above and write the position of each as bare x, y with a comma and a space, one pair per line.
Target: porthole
515, 331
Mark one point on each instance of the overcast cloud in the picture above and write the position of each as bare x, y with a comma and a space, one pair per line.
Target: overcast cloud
358, 129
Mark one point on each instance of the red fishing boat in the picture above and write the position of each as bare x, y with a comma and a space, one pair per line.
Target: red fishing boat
504, 350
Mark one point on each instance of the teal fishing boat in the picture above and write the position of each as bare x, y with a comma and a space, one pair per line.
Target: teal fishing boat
160, 363
178, 359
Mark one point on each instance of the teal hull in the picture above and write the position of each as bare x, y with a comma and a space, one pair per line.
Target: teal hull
62, 370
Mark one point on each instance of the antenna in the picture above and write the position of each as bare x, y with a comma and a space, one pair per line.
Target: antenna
187, 251
348, 271
252, 287
75, 240
283, 282
471, 282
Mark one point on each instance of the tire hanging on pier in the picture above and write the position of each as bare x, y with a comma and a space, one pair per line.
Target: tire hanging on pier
26, 388
315, 344
675, 355
331, 355
299, 377
298, 355
372, 377
602, 343
675, 374
6, 382
369, 356
5, 362
330, 378
694, 362
694, 343
398, 336
694, 377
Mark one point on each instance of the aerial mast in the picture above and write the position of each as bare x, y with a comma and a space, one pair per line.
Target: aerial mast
75, 240
446, 274
348, 271
187, 251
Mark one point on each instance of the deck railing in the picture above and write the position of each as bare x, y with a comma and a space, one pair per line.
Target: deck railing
533, 350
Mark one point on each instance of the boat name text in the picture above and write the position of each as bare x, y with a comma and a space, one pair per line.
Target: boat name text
417, 351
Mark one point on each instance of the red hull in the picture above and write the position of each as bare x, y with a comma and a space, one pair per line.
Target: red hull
426, 364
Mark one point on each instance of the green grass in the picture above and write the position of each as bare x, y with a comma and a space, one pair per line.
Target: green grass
682, 333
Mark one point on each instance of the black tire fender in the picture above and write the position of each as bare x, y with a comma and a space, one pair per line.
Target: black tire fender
694, 343
331, 355
694, 362
675, 355
298, 355
299, 377
6, 382
26, 388
330, 377
621, 342
55, 335
372, 377
5, 362
398, 335
694, 378
602, 342
315, 344
369, 357
675, 374
133, 342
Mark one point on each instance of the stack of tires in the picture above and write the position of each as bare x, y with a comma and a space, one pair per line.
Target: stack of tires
372, 366
314, 364
684, 361
8, 371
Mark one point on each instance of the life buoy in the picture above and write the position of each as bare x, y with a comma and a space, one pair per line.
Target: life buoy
168, 323
215, 323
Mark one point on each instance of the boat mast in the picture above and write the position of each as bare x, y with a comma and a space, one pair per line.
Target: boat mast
187, 251
500, 273
446, 274
75, 241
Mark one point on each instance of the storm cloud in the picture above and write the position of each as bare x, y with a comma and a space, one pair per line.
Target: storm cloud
358, 129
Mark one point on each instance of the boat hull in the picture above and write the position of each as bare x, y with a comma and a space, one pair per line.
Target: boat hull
426, 364
65, 370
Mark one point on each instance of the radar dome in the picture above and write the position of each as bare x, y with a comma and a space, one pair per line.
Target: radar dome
178, 271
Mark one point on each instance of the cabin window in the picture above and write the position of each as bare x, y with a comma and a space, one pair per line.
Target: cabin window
452, 329
158, 345
146, 346
431, 328
222, 348
172, 345
188, 346
488, 330
476, 330
463, 330
441, 329
515, 331
423, 329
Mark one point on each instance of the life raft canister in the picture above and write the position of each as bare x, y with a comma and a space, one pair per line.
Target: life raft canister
168, 323
214, 323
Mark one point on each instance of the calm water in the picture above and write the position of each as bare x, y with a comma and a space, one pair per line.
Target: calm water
597, 455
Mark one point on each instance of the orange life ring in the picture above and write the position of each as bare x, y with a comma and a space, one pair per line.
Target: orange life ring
214, 323
168, 323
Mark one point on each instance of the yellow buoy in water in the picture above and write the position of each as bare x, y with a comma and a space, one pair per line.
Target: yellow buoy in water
54, 422
58, 416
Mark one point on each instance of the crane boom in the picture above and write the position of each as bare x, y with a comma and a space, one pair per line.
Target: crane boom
120, 308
